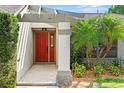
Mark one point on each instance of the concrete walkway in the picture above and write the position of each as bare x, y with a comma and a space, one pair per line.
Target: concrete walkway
44, 76
36, 87
40, 74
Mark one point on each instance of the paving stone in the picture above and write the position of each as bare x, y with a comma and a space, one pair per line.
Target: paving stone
81, 84
95, 85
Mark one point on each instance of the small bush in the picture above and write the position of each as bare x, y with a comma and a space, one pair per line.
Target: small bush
76, 55
110, 67
80, 70
98, 70
113, 69
74, 65
122, 69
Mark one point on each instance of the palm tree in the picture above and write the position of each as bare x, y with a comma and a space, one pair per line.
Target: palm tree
84, 36
102, 31
108, 29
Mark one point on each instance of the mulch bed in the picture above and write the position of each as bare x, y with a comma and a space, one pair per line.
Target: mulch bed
89, 78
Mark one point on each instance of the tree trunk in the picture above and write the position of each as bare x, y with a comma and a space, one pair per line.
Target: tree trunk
88, 60
107, 50
100, 53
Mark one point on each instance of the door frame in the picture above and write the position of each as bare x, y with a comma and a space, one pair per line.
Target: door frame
48, 30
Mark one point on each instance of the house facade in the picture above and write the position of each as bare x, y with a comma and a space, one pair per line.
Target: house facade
44, 37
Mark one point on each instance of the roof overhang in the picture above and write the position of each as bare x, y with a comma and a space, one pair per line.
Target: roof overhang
44, 15
47, 18
41, 14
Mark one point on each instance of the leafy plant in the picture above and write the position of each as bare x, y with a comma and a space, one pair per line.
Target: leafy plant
80, 70
76, 55
8, 41
122, 69
98, 70
74, 65
114, 69
110, 66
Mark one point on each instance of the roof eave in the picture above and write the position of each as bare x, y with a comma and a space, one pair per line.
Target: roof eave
20, 10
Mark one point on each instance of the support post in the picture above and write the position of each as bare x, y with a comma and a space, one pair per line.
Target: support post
64, 77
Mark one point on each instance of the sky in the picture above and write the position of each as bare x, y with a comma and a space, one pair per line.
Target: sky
81, 8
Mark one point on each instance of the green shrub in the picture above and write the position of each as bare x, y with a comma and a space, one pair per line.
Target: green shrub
74, 65
122, 69
8, 41
98, 70
113, 69
110, 67
76, 55
80, 70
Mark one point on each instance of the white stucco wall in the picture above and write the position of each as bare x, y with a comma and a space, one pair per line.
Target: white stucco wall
24, 50
120, 49
64, 25
43, 25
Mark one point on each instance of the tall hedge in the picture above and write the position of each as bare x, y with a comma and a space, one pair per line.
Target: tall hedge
8, 40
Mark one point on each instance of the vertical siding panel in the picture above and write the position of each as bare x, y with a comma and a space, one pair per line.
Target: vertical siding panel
25, 50
25, 37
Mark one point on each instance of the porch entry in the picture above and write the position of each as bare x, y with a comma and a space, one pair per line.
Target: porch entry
45, 46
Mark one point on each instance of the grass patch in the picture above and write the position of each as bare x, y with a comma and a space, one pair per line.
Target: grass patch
110, 83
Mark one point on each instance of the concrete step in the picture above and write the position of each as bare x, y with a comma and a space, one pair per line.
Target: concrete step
36, 84
36, 87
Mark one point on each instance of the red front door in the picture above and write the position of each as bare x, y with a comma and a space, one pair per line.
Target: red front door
41, 47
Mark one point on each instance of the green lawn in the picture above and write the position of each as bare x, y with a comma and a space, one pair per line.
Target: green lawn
110, 83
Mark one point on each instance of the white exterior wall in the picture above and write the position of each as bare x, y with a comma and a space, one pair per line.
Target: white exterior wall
64, 26
24, 50
43, 25
120, 49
